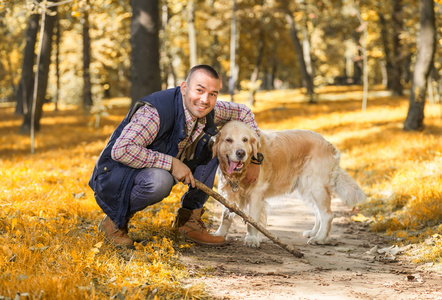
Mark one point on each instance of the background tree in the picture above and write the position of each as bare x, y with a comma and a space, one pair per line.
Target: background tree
424, 62
87, 93
32, 117
26, 85
145, 57
307, 80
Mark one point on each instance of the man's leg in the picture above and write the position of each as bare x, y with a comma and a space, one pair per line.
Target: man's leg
151, 185
189, 221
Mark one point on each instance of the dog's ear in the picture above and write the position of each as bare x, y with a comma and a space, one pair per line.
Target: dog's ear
213, 144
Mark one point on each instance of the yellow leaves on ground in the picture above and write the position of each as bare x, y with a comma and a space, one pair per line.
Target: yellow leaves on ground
49, 242
359, 218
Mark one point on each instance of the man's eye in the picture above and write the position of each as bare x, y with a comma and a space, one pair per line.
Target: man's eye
245, 140
229, 140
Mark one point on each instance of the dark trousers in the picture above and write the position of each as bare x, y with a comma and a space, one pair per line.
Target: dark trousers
152, 185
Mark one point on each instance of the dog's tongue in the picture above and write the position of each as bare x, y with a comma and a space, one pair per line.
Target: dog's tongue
232, 166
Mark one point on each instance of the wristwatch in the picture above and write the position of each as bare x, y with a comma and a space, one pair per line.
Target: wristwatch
257, 160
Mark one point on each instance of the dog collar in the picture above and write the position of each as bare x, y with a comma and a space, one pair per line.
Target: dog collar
257, 160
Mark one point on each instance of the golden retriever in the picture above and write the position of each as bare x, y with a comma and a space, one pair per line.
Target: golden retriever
300, 161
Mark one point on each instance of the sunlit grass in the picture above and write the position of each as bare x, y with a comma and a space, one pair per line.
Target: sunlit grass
49, 244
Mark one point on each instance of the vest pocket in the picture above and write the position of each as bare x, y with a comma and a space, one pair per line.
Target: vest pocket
109, 182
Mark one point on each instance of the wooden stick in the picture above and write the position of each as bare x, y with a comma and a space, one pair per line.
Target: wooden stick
247, 218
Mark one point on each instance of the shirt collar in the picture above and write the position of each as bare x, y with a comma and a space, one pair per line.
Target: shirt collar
189, 119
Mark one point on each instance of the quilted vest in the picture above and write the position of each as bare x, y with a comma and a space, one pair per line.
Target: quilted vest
112, 181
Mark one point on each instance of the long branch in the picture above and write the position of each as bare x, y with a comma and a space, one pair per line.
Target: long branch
247, 218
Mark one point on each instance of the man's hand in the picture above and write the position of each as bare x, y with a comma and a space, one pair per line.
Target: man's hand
252, 174
181, 172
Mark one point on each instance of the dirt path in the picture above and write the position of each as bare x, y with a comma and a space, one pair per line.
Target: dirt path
340, 271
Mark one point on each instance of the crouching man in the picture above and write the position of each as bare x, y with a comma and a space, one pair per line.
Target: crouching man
164, 140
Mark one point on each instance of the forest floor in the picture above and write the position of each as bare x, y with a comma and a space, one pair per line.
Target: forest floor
348, 268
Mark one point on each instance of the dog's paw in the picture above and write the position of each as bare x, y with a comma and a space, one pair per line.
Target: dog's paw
222, 231
309, 233
251, 241
317, 241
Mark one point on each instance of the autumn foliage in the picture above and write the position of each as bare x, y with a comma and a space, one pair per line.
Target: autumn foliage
49, 244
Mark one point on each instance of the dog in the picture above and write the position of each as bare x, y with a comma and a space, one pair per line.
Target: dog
296, 162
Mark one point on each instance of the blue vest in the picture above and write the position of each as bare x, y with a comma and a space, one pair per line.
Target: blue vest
112, 181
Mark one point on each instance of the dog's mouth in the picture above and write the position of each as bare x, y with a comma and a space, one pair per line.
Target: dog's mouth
234, 166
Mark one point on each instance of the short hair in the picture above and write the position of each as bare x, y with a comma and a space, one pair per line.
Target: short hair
208, 70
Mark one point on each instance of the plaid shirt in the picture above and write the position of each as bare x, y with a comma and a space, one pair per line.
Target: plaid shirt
131, 147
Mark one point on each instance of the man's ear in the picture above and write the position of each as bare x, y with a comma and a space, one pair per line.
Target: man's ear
183, 88
213, 143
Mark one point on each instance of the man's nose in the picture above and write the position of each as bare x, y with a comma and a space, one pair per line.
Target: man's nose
204, 97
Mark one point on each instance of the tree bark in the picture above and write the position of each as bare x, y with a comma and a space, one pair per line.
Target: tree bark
145, 55
192, 34
398, 57
232, 79
255, 73
387, 52
87, 87
426, 46
57, 63
307, 81
43, 69
26, 85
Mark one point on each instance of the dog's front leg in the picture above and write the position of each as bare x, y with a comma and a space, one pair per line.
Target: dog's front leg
255, 210
226, 222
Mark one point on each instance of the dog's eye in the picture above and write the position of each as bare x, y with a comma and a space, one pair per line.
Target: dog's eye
245, 140
229, 140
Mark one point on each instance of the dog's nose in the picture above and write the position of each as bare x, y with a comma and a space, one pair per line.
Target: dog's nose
240, 153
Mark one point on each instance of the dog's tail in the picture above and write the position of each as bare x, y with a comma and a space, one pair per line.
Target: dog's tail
347, 189
344, 186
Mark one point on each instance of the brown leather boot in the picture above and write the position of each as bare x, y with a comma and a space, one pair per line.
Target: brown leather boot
190, 225
115, 235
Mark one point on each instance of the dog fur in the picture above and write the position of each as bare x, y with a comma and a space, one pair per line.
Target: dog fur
299, 162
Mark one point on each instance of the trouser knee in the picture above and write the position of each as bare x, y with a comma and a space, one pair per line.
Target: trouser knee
151, 186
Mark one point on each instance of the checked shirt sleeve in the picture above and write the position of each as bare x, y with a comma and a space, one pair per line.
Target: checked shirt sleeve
230, 111
130, 147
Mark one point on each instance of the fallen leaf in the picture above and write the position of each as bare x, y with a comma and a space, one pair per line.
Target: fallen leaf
359, 218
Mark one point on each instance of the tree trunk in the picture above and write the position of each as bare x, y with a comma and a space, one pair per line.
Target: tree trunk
386, 45
426, 46
26, 85
307, 81
43, 75
192, 34
87, 93
253, 85
398, 57
145, 55
232, 78
57, 63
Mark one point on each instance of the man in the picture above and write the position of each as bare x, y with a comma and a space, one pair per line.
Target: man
163, 140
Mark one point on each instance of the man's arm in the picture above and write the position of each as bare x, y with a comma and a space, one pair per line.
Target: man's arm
130, 148
230, 111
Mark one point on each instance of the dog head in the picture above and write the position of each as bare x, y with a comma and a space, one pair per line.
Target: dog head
234, 145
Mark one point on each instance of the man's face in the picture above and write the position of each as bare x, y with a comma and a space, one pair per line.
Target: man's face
200, 94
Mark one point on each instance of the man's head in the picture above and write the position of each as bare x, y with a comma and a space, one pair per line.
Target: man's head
200, 90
